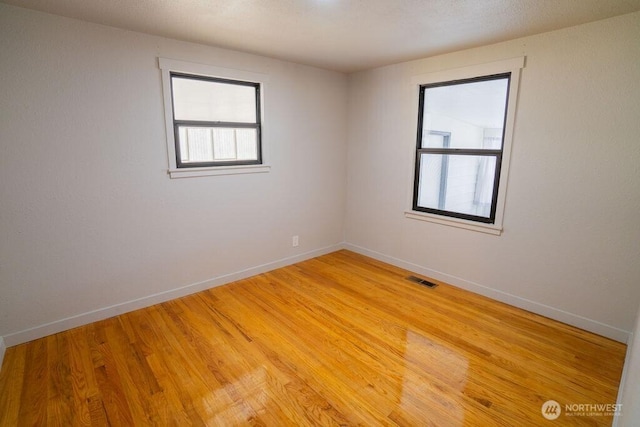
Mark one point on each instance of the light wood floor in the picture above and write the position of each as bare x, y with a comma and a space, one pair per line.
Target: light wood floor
337, 340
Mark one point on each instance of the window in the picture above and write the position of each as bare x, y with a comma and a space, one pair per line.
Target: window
459, 153
216, 122
214, 119
464, 125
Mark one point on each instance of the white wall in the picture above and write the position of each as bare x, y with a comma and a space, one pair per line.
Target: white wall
88, 215
629, 393
571, 240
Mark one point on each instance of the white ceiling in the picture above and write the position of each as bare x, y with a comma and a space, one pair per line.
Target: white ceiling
342, 35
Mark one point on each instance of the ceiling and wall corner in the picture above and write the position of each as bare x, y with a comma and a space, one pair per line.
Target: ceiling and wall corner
339, 35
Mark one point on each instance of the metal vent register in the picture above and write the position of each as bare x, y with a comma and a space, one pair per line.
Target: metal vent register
421, 281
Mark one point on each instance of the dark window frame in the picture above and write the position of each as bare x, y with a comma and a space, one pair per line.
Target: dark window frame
257, 125
498, 154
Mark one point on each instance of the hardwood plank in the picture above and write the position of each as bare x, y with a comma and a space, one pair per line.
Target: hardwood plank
11, 384
83, 382
33, 402
338, 340
61, 410
112, 387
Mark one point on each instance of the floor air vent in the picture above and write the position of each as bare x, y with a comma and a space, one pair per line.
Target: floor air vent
421, 281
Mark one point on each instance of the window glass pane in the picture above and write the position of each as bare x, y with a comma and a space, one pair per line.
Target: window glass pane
224, 147
436, 139
206, 144
196, 144
246, 146
213, 101
472, 113
457, 183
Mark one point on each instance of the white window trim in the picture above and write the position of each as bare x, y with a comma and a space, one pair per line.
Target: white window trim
169, 65
513, 65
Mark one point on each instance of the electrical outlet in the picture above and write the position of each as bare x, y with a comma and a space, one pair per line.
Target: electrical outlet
294, 241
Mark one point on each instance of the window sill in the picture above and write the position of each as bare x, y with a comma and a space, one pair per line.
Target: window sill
455, 222
218, 170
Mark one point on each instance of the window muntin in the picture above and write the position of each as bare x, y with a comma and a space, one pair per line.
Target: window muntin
216, 121
460, 147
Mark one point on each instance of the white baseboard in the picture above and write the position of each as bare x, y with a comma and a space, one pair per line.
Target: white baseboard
117, 309
114, 310
535, 307
3, 349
